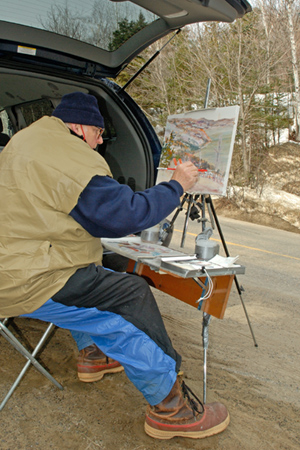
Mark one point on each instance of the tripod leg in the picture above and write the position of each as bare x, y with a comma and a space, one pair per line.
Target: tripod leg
169, 228
211, 217
172, 221
245, 310
205, 324
209, 201
190, 202
178, 210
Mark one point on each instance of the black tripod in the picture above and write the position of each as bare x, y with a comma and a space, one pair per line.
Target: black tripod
196, 210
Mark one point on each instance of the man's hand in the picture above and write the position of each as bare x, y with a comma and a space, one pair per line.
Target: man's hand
186, 174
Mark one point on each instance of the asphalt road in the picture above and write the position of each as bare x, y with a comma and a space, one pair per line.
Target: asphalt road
271, 257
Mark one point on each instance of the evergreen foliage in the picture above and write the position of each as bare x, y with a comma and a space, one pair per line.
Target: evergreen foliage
125, 30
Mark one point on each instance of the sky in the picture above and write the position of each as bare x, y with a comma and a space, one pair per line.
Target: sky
29, 12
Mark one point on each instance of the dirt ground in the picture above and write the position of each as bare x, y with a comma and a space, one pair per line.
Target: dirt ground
259, 385
227, 208
110, 414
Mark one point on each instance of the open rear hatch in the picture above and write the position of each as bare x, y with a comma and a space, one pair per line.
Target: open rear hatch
38, 65
160, 18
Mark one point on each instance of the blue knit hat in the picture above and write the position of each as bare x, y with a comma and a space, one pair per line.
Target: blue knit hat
80, 108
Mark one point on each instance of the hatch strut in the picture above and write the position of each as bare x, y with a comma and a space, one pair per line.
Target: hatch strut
148, 62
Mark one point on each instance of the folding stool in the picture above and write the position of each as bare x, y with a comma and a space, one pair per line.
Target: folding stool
9, 336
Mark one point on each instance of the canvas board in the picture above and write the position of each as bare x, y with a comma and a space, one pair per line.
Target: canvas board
206, 138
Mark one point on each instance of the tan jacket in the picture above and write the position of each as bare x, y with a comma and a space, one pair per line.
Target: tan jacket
43, 170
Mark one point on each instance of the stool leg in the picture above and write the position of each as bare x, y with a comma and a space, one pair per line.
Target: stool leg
31, 359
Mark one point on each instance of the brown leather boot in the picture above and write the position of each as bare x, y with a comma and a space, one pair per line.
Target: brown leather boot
93, 364
175, 416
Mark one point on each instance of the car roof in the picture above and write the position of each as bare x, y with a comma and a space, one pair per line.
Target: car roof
22, 32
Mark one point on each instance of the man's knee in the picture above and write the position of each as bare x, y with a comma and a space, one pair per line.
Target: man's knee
140, 284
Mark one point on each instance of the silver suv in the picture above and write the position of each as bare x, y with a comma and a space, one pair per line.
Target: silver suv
37, 67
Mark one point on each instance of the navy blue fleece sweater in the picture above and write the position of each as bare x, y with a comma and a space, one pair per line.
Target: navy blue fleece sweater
106, 208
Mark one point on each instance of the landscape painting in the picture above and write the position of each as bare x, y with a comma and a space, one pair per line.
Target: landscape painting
206, 138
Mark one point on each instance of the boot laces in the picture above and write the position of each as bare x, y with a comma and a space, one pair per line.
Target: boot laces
196, 407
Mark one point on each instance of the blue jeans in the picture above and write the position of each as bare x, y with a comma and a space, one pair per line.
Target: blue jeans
82, 339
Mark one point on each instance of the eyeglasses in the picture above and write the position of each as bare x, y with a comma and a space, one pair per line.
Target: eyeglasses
100, 131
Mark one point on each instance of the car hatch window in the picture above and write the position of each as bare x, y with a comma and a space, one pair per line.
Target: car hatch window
103, 23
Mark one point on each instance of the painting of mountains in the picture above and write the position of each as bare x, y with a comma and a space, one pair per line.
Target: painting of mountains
206, 138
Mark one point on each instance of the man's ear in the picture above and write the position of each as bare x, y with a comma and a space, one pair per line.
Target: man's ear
76, 128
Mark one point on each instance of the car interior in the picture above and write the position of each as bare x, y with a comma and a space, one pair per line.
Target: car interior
28, 97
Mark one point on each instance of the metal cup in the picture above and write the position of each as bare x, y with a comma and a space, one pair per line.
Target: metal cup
151, 235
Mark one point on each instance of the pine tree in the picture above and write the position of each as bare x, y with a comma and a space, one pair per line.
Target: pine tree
125, 30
